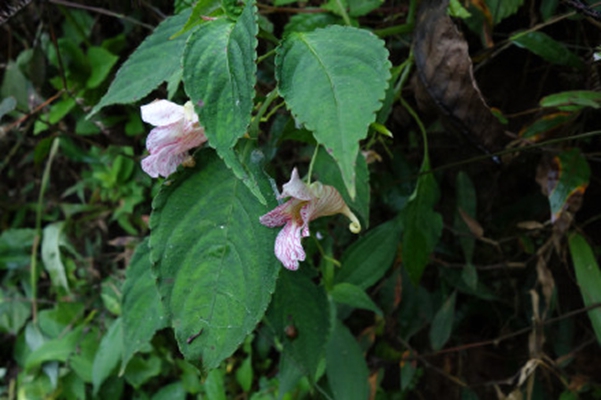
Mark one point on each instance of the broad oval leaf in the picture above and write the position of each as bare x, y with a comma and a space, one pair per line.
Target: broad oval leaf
213, 260
153, 62
346, 71
143, 312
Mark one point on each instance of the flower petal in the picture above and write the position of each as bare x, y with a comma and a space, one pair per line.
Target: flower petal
164, 162
278, 216
296, 188
288, 247
162, 112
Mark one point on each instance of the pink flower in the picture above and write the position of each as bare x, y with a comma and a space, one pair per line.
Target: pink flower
307, 202
177, 131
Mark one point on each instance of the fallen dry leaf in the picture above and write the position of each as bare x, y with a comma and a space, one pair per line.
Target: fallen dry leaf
446, 78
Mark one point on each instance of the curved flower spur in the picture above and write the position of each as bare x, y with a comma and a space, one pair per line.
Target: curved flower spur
177, 130
306, 203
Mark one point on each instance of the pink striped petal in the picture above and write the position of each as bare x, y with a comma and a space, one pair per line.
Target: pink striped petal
288, 247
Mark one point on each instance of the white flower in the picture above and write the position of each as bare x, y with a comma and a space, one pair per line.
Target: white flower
177, 131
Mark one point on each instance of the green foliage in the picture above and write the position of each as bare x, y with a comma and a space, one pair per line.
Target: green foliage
422, 226
116, 285
300, 308
345, 366
546, 47
348, 81
211, 242
588, 276
149, 63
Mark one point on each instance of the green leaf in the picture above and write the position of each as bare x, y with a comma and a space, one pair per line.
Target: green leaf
466, 202
327, 172
15, 310
299, 305
572, 99
101, 61
15, 248
368, 259
213, 260
58, 349
215, 386
354, 296
546, 124
143, 312
501, 9
219, 76
548, 8
108, 355
422, 225
82, 362
53, 239
588, 276
173, 391
358, 8
309, 22
442, 324
345, 366
546, 47
153, 62
343, 69
53, 322
142, 369
574, 174
7, 105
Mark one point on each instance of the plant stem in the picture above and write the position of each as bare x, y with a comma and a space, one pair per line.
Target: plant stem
312, 163
253, 129
38, 229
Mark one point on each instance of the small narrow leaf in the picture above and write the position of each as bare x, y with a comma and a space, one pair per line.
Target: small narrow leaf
422, 225
343, 69
143, 312
52, 241
345, 366
466, 202
546, 47
588, 276
442, 324
301, 307
368, 259
108, 355
354, 296
213, 260
153, 62
573, 98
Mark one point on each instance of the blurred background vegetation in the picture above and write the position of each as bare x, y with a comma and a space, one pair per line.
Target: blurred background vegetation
501, 311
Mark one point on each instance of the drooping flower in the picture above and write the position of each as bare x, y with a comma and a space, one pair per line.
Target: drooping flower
176, 131
306, 203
